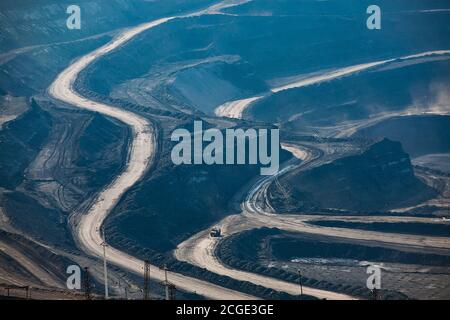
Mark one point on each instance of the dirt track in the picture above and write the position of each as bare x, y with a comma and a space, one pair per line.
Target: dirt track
257, 212
141, 154
200, 248
235, 109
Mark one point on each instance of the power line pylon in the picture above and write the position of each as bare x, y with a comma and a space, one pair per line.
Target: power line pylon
87, 284
166, 282
105, 267
300, 282
146, 280
172, 291
375, 294
170, 288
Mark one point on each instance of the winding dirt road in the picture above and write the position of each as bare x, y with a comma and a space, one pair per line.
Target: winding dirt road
257, 212
236, 109
141, 153
198, 250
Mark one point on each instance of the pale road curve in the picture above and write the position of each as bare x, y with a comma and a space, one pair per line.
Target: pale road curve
141, 154
235, 109
200, 248
298, 223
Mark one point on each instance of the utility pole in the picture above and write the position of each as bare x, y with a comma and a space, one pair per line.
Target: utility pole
448, 211
375, 295
87, 284
170, 288
172, 292
105, 268
301, 284
146, 280
166, 282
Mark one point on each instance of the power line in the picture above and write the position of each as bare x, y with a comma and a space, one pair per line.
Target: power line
146, 280
301, 284
87, 284
105, 267
169, 288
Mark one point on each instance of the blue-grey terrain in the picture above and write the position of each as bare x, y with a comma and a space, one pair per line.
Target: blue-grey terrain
364, 121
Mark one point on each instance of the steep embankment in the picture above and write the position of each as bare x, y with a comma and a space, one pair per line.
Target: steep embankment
20, 142
24, 262
379, 178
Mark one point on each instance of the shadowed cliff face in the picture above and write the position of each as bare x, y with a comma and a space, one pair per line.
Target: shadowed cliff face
20, 142
379, 178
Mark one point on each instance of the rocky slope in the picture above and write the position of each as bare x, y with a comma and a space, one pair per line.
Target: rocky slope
379, 178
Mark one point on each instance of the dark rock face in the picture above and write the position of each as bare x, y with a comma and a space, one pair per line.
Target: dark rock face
380, 178
20, 142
